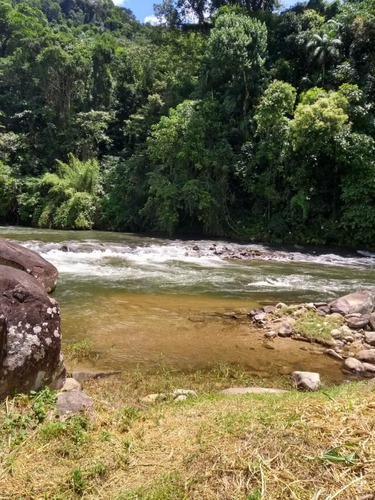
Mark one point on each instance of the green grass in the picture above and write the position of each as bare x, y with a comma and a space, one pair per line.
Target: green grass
317, 328
80, 350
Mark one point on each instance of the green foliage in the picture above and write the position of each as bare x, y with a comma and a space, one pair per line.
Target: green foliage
16, 423
189, 179
8, 187
74, 429
190, 125
235, 59
67, 199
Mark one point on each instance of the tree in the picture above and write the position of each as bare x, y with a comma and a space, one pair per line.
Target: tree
235, 59
65, 200
273, 117
323, 48
190, 164
319, 122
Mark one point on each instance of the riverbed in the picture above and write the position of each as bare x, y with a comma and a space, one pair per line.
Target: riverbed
147, 301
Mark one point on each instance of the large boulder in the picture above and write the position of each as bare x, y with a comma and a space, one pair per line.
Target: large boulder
359, 302
14, 255
30, 337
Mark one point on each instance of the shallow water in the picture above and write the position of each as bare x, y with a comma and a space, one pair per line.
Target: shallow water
146, 300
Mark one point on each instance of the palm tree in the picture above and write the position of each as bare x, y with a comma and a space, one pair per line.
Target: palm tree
323, 48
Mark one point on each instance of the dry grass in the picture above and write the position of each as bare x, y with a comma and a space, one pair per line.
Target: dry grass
214, 447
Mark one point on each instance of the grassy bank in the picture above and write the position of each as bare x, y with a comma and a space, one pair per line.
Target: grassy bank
293, 445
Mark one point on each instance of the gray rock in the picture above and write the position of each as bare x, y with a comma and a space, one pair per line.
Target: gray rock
320, 304
270, 334
254, 312
354, 366
366, 355
349, 339
336, 333
306, 380
372, 321
324, 309
357, 323
370, 338
269, 309
369, 367
30, 338
73, 402
285, 330
280, 305
358, 302
259, 318
71, 384
14, 255
184, 392
181, 397
251, 390
336, 315
333, 354
154, 398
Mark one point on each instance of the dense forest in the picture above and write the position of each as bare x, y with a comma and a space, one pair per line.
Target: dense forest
228, 118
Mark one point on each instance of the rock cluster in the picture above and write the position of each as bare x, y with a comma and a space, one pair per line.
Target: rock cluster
352, 342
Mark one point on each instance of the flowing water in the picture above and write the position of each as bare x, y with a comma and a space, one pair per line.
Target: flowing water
146, 300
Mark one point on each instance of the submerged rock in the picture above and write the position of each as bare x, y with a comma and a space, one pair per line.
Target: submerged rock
30, 337
16, 256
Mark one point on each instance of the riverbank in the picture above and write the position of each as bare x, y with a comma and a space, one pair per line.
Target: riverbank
270, 446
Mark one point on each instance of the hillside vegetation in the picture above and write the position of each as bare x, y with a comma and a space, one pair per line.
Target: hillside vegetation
227, 119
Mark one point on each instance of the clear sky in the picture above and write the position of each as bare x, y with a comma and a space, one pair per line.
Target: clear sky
142, 9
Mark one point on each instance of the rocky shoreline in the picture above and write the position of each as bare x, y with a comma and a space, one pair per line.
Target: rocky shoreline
346, 326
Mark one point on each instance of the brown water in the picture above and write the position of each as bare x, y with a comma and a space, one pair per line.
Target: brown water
187, 333
146, 301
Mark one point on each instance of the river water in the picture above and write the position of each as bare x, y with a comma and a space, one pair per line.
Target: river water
145, 301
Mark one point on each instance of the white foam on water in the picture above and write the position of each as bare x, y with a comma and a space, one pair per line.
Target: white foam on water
137, 263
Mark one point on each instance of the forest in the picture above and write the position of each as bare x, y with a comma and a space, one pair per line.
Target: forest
230, 118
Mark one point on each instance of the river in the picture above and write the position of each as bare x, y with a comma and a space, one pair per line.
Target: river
145, 301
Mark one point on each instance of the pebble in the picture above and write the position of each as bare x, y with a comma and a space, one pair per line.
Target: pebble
184, 392
154, 398
336, 333
271, 334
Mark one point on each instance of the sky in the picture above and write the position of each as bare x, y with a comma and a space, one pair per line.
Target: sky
144, 9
